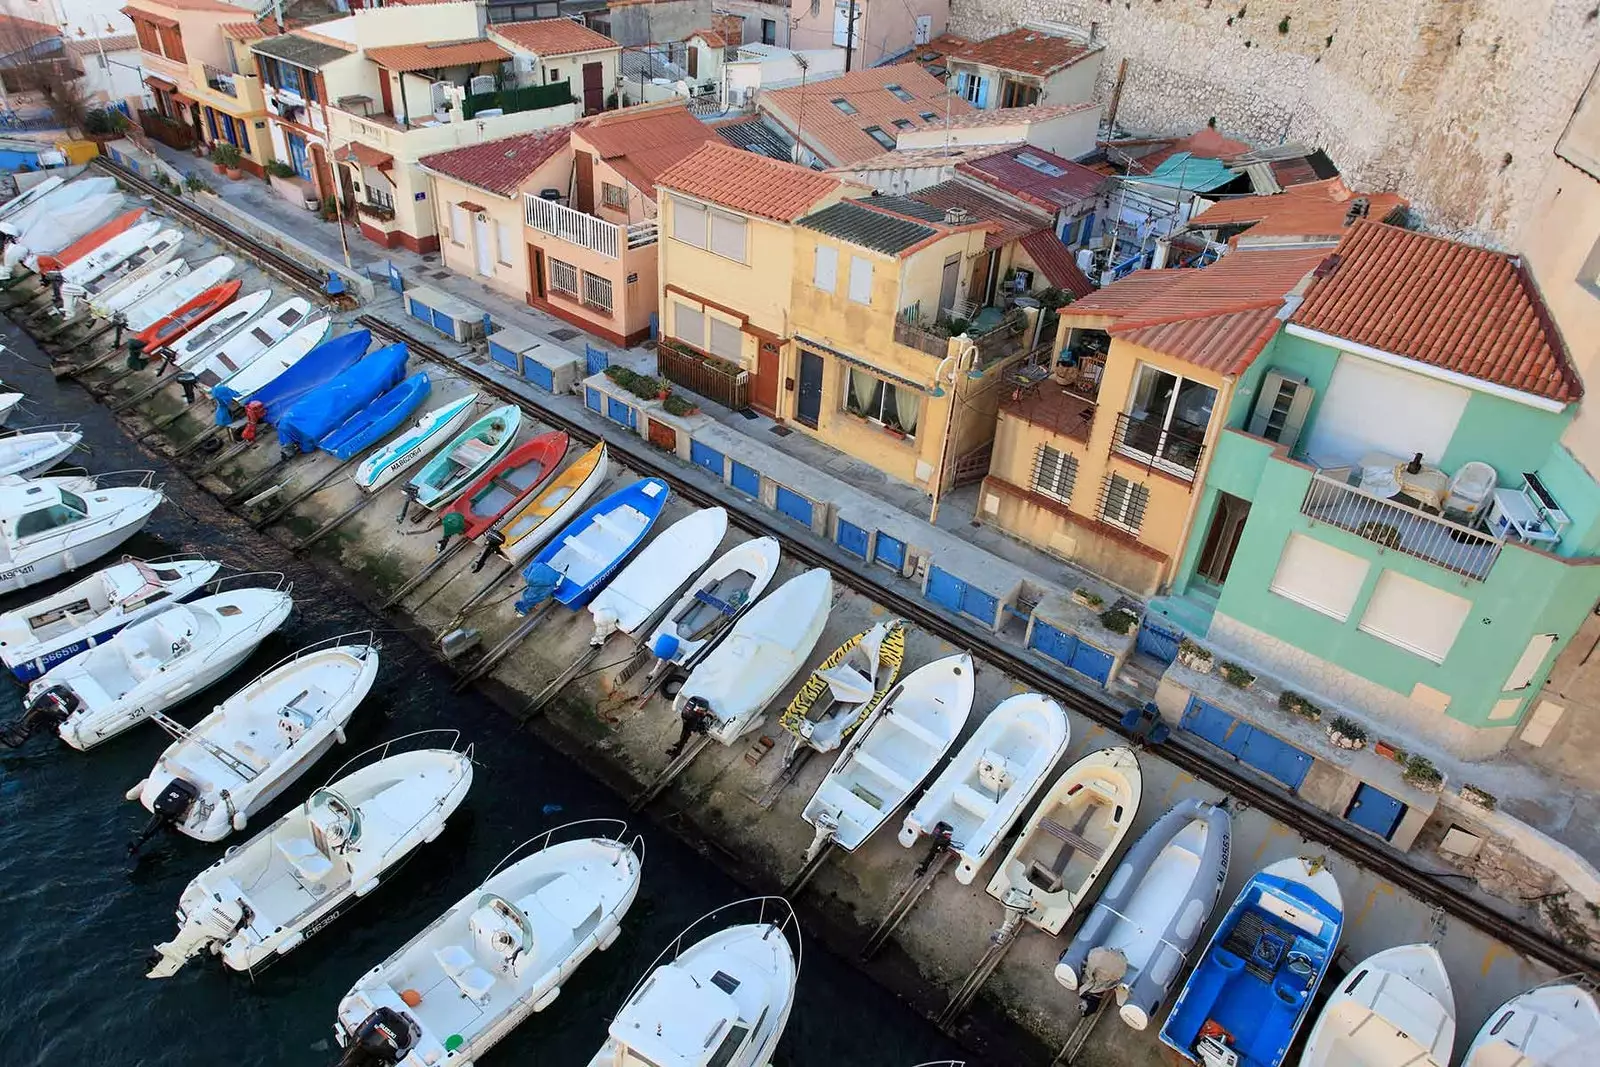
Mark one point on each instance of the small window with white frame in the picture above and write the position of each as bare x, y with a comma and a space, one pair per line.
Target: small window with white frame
507, 243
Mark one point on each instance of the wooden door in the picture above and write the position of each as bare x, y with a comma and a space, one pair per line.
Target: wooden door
978, 288
536, 272
764, 383
949, 284
388, 94
694, 62
585, 164
594, 88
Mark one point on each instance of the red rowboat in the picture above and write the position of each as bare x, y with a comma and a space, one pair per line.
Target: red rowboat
90, 241
503, 485
188, 316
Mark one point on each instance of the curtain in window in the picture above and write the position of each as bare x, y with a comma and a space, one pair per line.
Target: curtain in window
900, 409
865, 394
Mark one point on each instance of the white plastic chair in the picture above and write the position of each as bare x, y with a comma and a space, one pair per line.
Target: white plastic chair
1470, 489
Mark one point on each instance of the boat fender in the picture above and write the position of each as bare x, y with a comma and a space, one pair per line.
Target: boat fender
372, 883
548, 999
338, 735
666, 646
610, 938
136, 791
605, 624
410, 997
239, 821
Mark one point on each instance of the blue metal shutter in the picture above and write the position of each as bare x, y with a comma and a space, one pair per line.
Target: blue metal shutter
1274, 757
983, 92
1212, 724
591, 399
709, 458
1057, 644
444, 323
1157, 640
419, 310
794, 505
1375, 811
595, 359
889, 551
746, 479
502, 355
1092, 662
944, 589
539, 374
852, 538
981, 605
961, 85
620, 411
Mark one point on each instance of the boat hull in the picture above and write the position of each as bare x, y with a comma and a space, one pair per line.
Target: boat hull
399, 456
552, 514
53, 561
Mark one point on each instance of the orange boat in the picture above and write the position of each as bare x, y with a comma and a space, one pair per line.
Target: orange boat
188, 316
90, 241
503, 486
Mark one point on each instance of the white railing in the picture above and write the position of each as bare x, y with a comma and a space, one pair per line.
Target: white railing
597, 292
1401, 527
641, 234
563, 277
552, 218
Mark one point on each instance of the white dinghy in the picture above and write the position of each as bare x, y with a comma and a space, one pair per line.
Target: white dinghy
719, 1001
227, 767
1395, 1009
894, 750
110, 254
723, 592
403, 451
725, 695
1072, 836
632, 598
252, 341
166, 299
81, 295
217, 327
501, 953
264, 366
57, 199
137, 286
37, 636
49, 526
1555, 1025
34, 451
263, 898
982, 792
166, 657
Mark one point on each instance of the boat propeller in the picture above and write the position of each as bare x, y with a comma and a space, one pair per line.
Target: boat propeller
384, 1037
168, 809
491, 541
50, 708
696, 718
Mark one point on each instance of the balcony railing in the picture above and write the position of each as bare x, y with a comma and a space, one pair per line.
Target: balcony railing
714, 378
221, 81
381, 212
1447, 544
170, 132
562, 222
643, 234
909, 331
1175, 448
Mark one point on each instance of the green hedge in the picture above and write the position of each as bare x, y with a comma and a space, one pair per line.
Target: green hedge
512, 101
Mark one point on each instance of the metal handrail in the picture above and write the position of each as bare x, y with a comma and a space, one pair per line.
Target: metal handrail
49, 427
232, 581
1385, 522
372, 644
622, 824
1163, 438
675, 947
146, 480
455, 736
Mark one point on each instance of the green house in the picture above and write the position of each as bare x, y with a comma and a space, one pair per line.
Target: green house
1390, 520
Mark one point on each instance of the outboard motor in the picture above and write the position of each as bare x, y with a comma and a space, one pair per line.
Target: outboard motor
50, 708
384, 1037
168, 809
452, 525
697, 718
255, 412
491, 541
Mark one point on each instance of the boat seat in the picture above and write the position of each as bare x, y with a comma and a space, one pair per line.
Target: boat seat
1071, 837
578, 548
567, 901
969, 798
869, 762
475, 983
307, 860
610, 525
454, 959
471, 452
142, 665
917, 730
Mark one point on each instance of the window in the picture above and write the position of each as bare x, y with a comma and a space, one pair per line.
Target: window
845, 106
597, 292
563, 277
1054, 473
507, 243
927, 116
1016, 94
825, 276
289, 79
614, 195
726, 340
729, 1047
552, 74
894, 406
1167, 418
688, 325
860, 280
845, 29
903, 124
769, 31
1124, 503
971, 89
898, 92
1414, 615
458, 225
1319, 576
877, 134
728, 236
70, 510
149, 39
379, 197
688, 222
1040, 164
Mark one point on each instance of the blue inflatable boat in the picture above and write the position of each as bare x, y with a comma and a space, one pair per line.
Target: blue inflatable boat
377, 420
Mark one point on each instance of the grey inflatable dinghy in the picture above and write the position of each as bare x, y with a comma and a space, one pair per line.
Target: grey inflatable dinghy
1151, 915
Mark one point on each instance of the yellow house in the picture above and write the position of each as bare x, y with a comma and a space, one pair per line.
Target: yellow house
230, 100
726, 260
875, 375
1101, 463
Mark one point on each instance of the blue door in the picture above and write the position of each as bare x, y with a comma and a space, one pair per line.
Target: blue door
1212, 724
420, 311
746, 479
1270, 755
591, 399
851, 538
794, 505
889, 551
297, 156
595, 359
1375, 811
502, 355
981, 605
709, 458
539, 374
1057, 644
944, 589
1158, 640
1092, 662
397, 281
444, 323
620, 411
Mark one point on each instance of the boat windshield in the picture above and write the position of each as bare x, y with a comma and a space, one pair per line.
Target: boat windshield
730, 1046
75, 502
51, 518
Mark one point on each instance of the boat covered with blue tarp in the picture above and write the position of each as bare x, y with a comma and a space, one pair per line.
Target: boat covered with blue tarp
324, 409
377, 420
317, 367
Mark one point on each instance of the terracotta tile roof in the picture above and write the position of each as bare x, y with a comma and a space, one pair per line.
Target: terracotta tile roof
553, 37
911, 158
366, 155
747, 182
253, 30
1031, 174
840, 138
199, 5
90, 46
1443, 303
711, 37
436, 54
1317, 209
1203, 144
1056, 263
643, 143
1005, 116
1008, 222
500, 166
1024, 51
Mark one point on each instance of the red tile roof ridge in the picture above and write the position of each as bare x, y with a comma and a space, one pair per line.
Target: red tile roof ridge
747, 181
1256, 304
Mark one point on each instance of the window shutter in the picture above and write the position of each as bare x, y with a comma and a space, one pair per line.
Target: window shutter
1532, 659
1416, 616
825, 276
688, 325
688, 222
507, 242
983, 92
961, 85
1319, 576
860, 280
728, 236
458, 224
726, 340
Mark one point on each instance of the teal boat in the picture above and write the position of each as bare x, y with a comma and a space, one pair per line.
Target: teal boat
460, 462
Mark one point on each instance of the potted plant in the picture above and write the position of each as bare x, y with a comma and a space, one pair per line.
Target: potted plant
1345, 732
226, 158
1086, 598
677, 405
1118, 620
1236, 676
1196, 657
1295, 704
1421, 773
1478, 796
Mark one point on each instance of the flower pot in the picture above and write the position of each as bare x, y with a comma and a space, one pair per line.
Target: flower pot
1384, 749
219, 168
235, 173
662, 394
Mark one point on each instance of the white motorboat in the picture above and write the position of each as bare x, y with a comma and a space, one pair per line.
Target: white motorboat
1394, 1009
34, 451
37, 636
500, 954
1556, 1025
263, 898
49, 526
898, 746
722, 592
429, 432
218, 327
982, 792
31, 196
252, 341
162, 250
110, 255
284, 353
254, 745
631, 598
168, 298
726, 693
60, 228
57, 199
1071, 837
8, 404
719, 1001
168, 656
138, 286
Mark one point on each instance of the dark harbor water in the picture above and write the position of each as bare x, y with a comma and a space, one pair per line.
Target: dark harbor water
77, 923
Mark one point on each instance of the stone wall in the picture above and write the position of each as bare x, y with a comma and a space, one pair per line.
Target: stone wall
1457, 103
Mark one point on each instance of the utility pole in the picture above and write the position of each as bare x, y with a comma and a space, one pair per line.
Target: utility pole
849, 35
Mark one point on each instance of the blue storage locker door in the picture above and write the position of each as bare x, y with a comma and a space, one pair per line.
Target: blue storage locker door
1275, 758
709, 458
591, 400
889, 551
794, 505
944, 589
419, 311
444, 323
1211, 723
1158, 640
1092, 662
852, 538
539, 374
746, 479
1375, 811
620, 411
502, 355
1057, 644
981, 605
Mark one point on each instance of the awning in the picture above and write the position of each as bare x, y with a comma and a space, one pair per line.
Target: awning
866, 365
468, 205
150, 17
366, 155
160, 83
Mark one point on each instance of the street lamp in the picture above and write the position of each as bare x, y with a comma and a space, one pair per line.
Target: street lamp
964, 360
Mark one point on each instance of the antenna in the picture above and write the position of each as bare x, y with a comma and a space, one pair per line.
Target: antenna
800, 121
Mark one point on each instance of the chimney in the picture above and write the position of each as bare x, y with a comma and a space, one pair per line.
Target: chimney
1357, 210
957, 216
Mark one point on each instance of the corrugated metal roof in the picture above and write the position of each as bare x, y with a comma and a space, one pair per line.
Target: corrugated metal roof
907, 205
297, 50
850, 221
1009, 221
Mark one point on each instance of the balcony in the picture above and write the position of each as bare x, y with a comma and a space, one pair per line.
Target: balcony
714, 378
1175, 448
587, 231
222, 81
911, 332
1456, 548
1050, 405
170, 132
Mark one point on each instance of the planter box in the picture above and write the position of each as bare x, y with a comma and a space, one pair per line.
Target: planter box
1339, 740
1196, 662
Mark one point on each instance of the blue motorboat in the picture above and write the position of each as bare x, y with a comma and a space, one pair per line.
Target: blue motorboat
1251, 987
321, 411
577, 562
317, 367
377, 420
